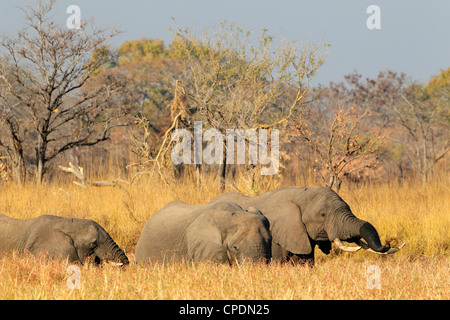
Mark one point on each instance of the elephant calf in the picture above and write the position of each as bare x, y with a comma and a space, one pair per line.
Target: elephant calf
57, 237
221, 232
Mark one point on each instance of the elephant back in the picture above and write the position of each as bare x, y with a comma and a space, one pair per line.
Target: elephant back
163, 235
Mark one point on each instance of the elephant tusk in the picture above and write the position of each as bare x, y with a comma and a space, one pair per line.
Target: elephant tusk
343, 247
390, 251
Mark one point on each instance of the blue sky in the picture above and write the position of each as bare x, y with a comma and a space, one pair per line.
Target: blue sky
414, 37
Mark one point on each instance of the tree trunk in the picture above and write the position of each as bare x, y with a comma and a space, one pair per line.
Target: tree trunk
18, 170
334, 183
39, 172
18, 163
337, 184
222, 169
222, 173
425, 161
40, 158
15, 153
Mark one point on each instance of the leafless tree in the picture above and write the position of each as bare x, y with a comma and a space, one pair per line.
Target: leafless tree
338, 143
427, 124
50, 94
417, 115
233, 84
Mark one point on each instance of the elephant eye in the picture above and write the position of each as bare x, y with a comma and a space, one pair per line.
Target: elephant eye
94, 243
235, 248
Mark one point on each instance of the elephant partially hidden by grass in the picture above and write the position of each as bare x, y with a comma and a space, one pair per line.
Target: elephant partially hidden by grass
301, 218
220, 232
58, 237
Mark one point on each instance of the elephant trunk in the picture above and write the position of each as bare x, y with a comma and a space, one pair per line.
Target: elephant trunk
110, 251
347, 227
263, 256
256, 253
370, 234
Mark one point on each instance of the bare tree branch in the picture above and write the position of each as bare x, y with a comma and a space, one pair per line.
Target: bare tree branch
49, 72
78, 172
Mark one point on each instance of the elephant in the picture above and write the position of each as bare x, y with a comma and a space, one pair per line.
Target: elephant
301, 218
221, 232
58, 237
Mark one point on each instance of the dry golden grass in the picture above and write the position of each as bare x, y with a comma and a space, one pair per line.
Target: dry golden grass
342, 277
401, 213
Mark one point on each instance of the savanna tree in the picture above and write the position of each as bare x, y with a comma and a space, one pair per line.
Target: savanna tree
415, 115
424, 112
50, 99
235, 81
339, 141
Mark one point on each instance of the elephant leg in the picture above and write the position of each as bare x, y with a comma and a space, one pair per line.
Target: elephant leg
325, 246
279, 254
302, 259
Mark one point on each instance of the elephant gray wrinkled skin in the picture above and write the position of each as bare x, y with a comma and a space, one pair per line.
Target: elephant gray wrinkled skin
301, 218
220, 232
58, 237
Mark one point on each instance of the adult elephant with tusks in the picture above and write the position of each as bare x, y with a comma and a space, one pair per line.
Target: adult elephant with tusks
220, 232
58, 237
301, 218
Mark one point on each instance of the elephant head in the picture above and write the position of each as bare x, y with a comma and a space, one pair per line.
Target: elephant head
301, 218
325, 217
227, 233
89, 240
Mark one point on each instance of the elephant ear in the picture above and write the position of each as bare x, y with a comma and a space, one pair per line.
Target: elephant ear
287, 227
50, 236
204, 239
